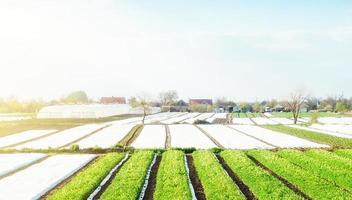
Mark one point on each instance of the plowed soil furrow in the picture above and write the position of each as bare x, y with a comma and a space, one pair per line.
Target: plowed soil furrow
197, 185
282, 179
149, 192
237, 180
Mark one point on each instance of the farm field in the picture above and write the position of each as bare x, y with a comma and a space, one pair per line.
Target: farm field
253, 174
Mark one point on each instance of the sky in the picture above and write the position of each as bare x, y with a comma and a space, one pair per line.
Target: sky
244, 50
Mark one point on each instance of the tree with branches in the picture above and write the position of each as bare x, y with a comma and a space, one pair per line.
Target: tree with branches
295, 103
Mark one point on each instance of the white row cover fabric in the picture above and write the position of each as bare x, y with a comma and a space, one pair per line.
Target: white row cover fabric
105, 138
217, 116
83, 111
233, 139
11, 162
338, 128
180, 119
202, 116
342, 135
242, 121
335, 120
23, 136
264, 121
36, 180
13, 118
187, 136
62, 138
277, 139
152, 136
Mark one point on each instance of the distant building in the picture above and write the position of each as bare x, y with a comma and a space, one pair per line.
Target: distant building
113, 100
204, 102
201, 105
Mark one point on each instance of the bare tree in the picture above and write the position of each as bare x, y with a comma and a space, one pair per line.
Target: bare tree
295, 103
168, 98
145, 102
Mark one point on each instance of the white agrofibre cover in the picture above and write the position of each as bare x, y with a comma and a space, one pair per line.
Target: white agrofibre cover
335, 120
282, 120
233, 139
161, 116
152, 136
36, 180
12, 118
83, 111
243, 121
277, 139
179, 119
217, 116
22, 137
106, 137
264, 121
14, 161
62, 138
322, 131
202, 116
340, 128
187, 136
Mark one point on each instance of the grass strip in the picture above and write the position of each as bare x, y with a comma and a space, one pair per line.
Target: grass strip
328, 158
337, 176
312, 185
82, 184
128, 182
345, 153
172, 180
216, 183
262, 184
333, 141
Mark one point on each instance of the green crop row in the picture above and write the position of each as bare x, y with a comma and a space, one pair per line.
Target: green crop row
172, 180
84, 183
313, 136
312, 185
216, 183
128, 182
345, 153
262, 184
328, 158
327, 171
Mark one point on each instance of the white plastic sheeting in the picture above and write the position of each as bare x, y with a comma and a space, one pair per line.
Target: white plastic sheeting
180, 119
263, 121
335, 120
243, 121
152, 136
202, 116
36, 180
105, 138
339, 128
23, 136
322, 131
62, 138
140, 110
13, 118
11, 162
83, 111
187, 136
277, 139
282, 120
233, 139
217, 116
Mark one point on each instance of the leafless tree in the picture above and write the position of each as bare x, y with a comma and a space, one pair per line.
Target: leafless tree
168, 98
295, 103
145, 102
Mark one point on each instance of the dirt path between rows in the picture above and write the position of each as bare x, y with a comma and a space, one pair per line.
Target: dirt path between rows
283, 180
197, 185
236, 179
149, 192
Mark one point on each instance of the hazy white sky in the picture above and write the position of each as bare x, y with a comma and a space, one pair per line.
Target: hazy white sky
242, 49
